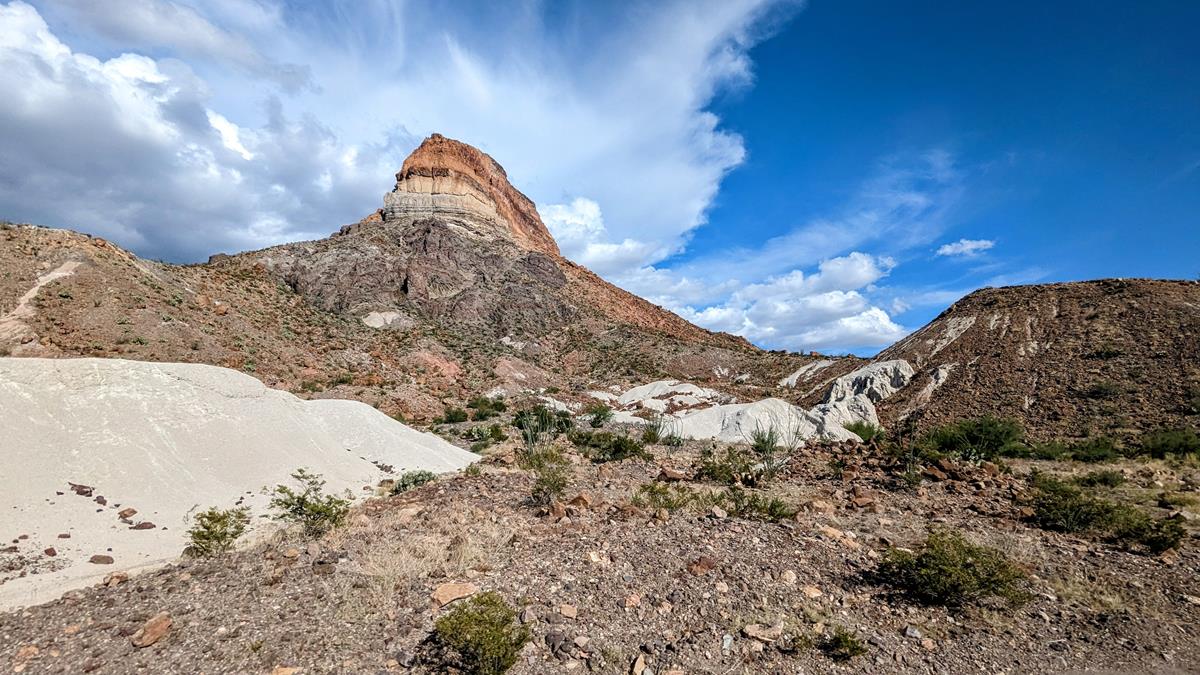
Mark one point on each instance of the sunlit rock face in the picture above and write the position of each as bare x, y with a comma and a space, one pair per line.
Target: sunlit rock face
449, 180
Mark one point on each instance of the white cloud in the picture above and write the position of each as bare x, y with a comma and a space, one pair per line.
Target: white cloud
578, 227
801, 311
965, 247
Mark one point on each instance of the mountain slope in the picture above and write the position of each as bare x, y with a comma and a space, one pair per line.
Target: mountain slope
1113, 356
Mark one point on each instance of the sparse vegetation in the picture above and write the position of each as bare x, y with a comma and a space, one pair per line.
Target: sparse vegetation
598, 414
984, 438
309, 507
1102, 391
755, 506
654, 429
550, 481
865, 430
1171, 442
482, 635
841, 645
948, 570
484, 407
1062, 507
1103, 478
604, 446
452, 415
733, 466
215, 531
412, 479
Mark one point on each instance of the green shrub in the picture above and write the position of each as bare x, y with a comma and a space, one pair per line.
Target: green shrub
1091, 450
215, 531
485, 408
765, 442
865, 430
452, 415
1191, 401
841, 645
483, 634
735, 466
673, 440
473, 469
948, 570
312, 509
1104, 478
1063, 507
603, 446
985, 438
1177, 442
412, 479
654, 429
598, 415
754, 506
549, 483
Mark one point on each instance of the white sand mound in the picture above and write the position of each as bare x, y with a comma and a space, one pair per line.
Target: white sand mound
165, 439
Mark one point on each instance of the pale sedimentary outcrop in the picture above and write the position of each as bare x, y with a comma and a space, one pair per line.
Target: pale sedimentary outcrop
875, 381
805, 372
166, 439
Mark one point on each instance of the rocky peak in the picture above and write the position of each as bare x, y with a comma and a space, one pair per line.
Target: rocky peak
449, 179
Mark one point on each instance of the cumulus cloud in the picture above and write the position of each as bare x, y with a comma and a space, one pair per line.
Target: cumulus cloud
965, 247
808, 311
579, 229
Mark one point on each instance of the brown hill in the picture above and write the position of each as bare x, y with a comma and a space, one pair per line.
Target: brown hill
1113, 356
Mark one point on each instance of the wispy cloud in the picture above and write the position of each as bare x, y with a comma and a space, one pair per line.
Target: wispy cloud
965, 247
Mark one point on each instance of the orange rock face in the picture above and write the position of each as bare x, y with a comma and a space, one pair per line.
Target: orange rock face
444, 177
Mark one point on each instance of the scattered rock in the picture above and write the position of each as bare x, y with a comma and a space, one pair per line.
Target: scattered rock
101, 559
50, 552
154, 630
702, 565
127, 513
448, 593
568, 611
144, 525
763, 633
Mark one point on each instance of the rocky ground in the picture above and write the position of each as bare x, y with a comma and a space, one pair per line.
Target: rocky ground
609, 586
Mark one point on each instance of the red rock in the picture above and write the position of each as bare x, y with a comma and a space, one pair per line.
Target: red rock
144, 525
154, 630
50, 552
669, 475
128, 512
448, 593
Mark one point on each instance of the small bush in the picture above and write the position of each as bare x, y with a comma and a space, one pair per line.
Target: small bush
483, 634
841, 645
735, 466
765, 442
215, 531
412, 479
452, 416
985, 438
1063, 507
598, 415
312, 509
754, 506
865, 430
1177, 442
473, 469
950, 571
551, 475
1191, 401
673, 441
1091, 450
654, 429
484, 407
1102, 391
603, 446
1104, 478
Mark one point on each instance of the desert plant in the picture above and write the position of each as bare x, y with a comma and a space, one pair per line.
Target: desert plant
841, 645
864, 430
312, 509
215, 531
412, 479
654, 429
984, 438
452, 415
598, 414
549, 483
482, 633
1191, 401
948, 570
1103, 478
484, 407
734, 466
603, 446
755, 506
1063, 507
1177, 442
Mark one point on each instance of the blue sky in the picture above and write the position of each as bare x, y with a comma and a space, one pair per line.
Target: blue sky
825, 176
